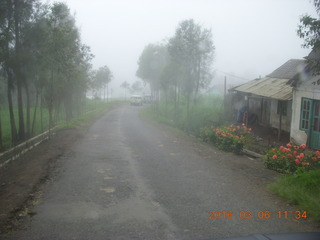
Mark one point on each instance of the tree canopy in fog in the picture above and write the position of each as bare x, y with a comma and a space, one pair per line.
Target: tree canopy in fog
309, 30
42, 62
182, 66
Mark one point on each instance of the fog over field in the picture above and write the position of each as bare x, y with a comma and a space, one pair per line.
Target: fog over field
251, 37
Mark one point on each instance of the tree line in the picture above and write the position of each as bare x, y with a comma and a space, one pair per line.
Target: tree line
179, 68
43, 64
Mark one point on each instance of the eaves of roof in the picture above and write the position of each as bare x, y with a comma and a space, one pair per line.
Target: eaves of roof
275, 88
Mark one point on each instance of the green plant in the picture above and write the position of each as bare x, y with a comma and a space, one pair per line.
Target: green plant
227, 138
301, 189
292, 158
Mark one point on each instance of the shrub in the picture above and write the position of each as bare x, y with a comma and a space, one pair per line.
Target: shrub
292, 159
227, 138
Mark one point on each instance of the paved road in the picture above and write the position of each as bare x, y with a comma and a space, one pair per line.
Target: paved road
132, 179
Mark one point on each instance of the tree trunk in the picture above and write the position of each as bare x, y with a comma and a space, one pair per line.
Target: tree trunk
41, 113
14, 134
17, 68
28, 131
68, 107
21, 131
35, 114
107, 92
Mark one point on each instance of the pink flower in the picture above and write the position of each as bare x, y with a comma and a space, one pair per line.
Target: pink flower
297, 161
303, 146
290, 156
295, 153
314, 159
274, 157
289, 145
318, 153
302, 155
274, 150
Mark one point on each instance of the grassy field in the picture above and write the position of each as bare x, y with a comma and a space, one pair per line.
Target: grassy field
91, 109
302, 189
206, 112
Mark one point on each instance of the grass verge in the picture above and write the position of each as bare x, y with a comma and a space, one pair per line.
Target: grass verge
301, 189
206, 112
90, 115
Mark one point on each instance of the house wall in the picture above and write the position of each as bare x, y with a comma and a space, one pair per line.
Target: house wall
255, 106
308, 89
275, 118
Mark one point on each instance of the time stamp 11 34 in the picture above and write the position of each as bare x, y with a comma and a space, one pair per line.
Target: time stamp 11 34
257, 215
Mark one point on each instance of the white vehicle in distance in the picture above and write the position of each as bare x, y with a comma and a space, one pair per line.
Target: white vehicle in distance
136, 100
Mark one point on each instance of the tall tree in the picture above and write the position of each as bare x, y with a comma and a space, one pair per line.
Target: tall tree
151, 64
309, 30
192, 50
102, 79
126, 86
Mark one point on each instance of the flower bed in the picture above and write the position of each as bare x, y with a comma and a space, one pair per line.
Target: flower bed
291, 159
228, 138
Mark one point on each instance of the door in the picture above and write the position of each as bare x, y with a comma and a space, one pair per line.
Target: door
315, 125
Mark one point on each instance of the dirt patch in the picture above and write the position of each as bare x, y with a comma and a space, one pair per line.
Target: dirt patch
21, 179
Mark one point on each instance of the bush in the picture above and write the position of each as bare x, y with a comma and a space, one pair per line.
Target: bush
227, 138
292, 159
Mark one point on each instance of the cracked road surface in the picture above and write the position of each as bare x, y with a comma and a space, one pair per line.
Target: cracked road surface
129, 178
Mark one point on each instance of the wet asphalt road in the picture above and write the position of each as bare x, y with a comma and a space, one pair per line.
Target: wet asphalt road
132, 179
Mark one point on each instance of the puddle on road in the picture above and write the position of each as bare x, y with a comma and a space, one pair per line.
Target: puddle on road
108, 189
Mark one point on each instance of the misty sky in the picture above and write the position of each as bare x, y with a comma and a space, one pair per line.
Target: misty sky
252, 37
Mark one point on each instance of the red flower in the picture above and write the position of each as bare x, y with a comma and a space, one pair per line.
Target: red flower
295, 153
274, 157
289, 145
303, 146
274, 150
314, 159
302, 155
290, 156
297, 161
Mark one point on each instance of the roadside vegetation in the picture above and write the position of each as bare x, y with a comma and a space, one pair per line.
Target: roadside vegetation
301, 189
300, 185
45, 70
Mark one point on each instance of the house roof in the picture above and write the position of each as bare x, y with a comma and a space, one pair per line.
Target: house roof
288, 70
268, 87
311, 64
275, 84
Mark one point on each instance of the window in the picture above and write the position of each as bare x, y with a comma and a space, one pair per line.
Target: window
284, 106
305, 114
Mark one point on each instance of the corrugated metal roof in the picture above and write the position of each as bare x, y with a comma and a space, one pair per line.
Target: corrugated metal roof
268, 87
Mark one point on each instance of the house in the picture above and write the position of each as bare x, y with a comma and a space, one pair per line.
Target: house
305, 125
268, 101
